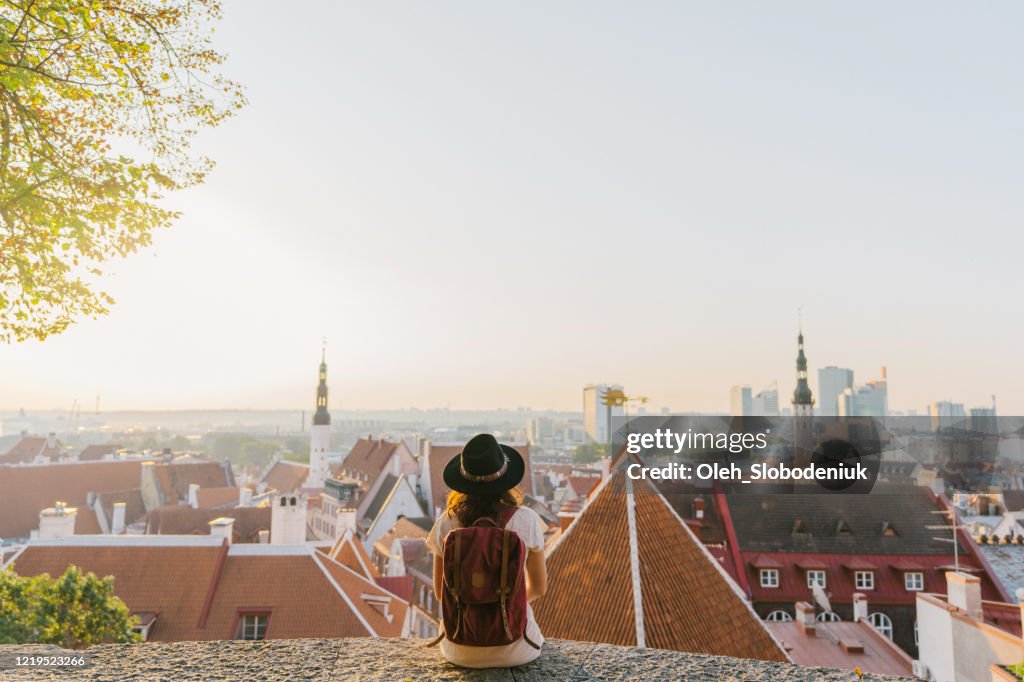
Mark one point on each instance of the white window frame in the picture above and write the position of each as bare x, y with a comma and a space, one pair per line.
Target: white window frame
769, 577
864, 580
881, 622
817, 577
913, 581
252, 626
828, 617
779, 616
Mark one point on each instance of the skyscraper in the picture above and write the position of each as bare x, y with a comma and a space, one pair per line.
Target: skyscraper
740, 403
832, 381
596, 416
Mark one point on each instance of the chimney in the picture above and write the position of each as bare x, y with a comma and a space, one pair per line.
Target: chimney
860, 607
193, 495
883, 373
223, 528
288, 519
396, 464
606, 467
964, 592
698, 508
51, 441
57, 522
117, 520
805, 617
264, 536
244, 496
346, 520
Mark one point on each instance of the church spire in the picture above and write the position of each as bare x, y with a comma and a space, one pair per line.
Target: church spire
322, 417
802, 394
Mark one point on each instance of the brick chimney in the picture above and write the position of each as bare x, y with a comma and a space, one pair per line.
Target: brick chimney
264, 536
223, 527
117, 519
193, 495
964, 592
860, 607
244, 496
57, 522
805, 617
698, 508
51, 440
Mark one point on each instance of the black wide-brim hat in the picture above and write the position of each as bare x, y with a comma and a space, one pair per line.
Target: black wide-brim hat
484, 467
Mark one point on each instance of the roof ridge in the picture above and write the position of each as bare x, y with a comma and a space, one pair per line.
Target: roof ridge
634, 564
344, 595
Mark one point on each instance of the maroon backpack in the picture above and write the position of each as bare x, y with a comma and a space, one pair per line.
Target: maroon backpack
484, 599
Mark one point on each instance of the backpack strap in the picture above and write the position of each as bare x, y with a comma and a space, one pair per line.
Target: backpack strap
503, 588
456, 588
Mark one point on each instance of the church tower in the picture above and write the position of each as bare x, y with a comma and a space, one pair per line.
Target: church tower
320, 433
803, 410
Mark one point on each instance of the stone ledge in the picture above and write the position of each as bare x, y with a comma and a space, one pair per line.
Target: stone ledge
329, 660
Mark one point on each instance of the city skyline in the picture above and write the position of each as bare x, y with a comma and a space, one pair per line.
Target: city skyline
496, 206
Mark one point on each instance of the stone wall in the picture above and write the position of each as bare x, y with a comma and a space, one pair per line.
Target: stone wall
397, 659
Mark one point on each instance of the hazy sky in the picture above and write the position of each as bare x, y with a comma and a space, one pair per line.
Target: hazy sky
491, 204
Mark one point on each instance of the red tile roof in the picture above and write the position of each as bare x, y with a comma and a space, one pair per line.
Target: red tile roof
93, 452
27, 490
403, 528
285, 476
27, 449
349, 551
209, 498
440, 455
688, 602
822, 647
197, 588
174, 478
184, 520
584, 485
366, 459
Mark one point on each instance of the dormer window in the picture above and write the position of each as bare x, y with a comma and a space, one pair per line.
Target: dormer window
864, 580
380, 603
252, 626
843, 529
887, 530
800, 528
815, 577
769, 577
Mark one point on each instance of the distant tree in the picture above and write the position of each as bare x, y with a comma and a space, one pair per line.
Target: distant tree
179, 443
258, 452
228, 446
590, 452
297, 449
85, 86
74, 611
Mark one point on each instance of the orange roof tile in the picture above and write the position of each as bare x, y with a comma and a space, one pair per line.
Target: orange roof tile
209, 498
367, 458
821, 647
174, 478
348, 551
285, 476
305, 593
688, 602
94, 452
27, 490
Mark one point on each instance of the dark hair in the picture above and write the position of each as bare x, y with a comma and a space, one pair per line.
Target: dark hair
468, 509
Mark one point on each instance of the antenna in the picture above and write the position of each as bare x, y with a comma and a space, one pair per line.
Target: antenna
954, 526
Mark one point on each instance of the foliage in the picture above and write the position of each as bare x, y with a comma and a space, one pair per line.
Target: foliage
590, 452
298, 449
74, 611
242, 448
98, 103
1017, 670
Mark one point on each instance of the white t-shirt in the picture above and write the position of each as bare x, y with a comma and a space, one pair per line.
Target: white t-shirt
527, 524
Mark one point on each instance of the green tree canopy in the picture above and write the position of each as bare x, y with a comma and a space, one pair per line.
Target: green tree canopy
590, 452
98, 103
74, 611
